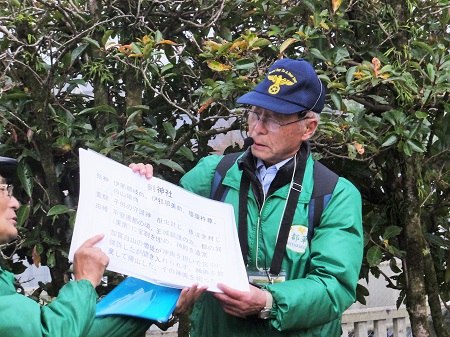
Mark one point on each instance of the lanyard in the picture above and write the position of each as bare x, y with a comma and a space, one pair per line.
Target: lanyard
288, 214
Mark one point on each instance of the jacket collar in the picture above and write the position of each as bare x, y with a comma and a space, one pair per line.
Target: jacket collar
247, 163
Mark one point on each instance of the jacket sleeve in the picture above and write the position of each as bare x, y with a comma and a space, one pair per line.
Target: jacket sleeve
72, 313
329, 286
199, 179
119, 326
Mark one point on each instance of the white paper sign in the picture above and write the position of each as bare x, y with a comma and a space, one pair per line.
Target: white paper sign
155, 230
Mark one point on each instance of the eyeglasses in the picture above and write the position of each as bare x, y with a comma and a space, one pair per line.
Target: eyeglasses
270, 124
8, 188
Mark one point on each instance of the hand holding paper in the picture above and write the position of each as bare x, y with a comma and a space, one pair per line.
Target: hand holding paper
156, 231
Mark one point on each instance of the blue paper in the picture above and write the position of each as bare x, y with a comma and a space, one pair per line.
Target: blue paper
135, 297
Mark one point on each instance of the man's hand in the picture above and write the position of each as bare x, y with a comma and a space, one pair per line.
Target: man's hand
90, 262
187, 298
241, 303
143, 169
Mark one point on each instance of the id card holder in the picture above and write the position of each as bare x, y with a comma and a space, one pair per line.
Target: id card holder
261, 278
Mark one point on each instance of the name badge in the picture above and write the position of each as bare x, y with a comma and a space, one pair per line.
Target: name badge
260, 278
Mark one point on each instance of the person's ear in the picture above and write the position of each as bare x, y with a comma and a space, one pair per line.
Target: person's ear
309, 128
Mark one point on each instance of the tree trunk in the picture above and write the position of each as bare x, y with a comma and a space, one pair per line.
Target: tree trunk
100, 88
415, 248
134, 86
41, 94
434, 302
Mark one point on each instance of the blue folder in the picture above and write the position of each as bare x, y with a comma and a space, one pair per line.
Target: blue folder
135, 297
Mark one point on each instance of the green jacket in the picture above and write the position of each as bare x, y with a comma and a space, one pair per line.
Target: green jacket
321, 278
71, 314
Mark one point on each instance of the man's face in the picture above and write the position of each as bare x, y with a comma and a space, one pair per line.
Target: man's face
274, 147
8, 207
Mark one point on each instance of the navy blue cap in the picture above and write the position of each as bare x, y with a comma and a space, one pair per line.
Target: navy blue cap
290, 86
8, 167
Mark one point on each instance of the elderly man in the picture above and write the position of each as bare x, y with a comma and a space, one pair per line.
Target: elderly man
301, 281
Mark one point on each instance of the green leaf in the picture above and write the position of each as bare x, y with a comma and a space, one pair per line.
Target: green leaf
349, 75
351, 151
158, 36
341, 55
72, 218
318, 54
431, 72
91, 42
50, 239
393, 266
65, 61
363, 290
131, 117
173, 165
14, 96
286, 44
405, 147
224, 48
217, 66
51, 259
423, 45
18, 267
170, 130
186, 152
166, 67
374, 256
395, 251
26, 178
415, 145
106, 36
437, 241
100, 108
421, 114
245, 64
389, 139
260, 42
23, 213
132, 109
39, 249
361, 293
391, 232
394, 116
136, 49
76, 52
378, 99
337, 99
59, 209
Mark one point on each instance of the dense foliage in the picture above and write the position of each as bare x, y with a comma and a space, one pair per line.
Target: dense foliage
147, 81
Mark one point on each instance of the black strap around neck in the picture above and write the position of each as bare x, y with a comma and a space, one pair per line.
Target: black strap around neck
288, 216
243, 211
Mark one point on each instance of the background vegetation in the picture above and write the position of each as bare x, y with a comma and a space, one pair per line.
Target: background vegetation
147, 81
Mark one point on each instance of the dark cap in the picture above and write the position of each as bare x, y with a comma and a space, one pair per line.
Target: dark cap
290, 86
8, 167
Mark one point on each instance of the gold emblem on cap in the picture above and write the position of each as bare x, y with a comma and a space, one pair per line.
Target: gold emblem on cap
279, 80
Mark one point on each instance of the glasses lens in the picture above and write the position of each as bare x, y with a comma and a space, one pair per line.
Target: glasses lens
272, 124
10, 190
6, 188
252, 118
